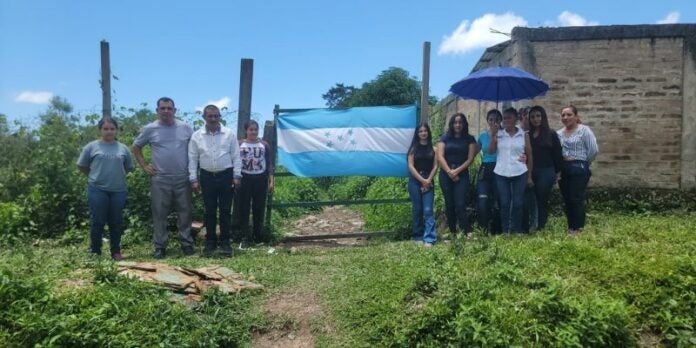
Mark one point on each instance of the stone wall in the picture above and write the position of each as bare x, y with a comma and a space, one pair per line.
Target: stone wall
635, 86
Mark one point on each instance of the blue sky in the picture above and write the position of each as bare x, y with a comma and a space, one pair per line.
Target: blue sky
191, 51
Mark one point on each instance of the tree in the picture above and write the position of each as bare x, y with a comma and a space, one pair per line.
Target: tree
393, 86
4, 127
338, 95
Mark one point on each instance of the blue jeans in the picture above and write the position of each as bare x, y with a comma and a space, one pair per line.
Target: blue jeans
105, 208
544, 179
217, 197
486, 204
511, 197
456, 198
529, 209
422, 206
573, 184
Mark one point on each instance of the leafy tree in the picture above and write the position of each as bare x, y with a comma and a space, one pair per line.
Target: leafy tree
393, 86
339, 95
4, 127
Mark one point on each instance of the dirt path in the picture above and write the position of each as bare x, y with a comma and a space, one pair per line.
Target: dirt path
294, 315
297, 314
329, 221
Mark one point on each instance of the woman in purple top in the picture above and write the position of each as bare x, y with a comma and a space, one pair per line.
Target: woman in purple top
257, 181
422, 166
455, 153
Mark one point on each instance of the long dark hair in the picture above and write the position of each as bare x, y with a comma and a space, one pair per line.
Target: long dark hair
497, 114
104, 120
450, 125
416, 140
544, 129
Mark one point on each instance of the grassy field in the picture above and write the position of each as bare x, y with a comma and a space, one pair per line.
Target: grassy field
626, 281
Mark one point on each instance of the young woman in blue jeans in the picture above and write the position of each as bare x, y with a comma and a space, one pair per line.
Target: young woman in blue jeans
106, 162
422, 166
546, 149
511, 175
455, 153
486, 207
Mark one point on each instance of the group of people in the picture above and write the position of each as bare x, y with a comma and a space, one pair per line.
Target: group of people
209, 160
521, 160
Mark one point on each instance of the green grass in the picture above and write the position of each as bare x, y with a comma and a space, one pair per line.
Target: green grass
624, 277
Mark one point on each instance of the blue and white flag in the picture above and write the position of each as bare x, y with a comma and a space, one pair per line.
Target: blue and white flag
370, 141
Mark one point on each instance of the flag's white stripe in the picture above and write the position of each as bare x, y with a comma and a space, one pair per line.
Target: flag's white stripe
393, 140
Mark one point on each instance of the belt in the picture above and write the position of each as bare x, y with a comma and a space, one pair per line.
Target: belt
219, 173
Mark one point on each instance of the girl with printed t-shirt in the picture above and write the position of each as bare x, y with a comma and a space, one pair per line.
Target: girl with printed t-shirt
106, 162
422, 166
257, 181
455, 153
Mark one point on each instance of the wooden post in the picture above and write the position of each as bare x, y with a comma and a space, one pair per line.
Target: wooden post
105, 79
246, 76
425, 85
269, 134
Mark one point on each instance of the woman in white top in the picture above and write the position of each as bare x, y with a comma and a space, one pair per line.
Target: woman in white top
511, 175
579, 147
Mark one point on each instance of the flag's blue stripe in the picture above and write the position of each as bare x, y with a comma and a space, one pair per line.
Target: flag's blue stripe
359, 117
337, 163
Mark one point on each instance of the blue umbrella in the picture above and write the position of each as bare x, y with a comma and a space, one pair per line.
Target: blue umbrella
500, 84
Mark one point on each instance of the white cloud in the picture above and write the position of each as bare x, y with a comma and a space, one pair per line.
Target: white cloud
671, 18
34, 97
570, 19
467, 37
221, 103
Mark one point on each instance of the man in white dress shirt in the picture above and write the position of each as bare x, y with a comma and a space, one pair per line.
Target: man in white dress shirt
215, 150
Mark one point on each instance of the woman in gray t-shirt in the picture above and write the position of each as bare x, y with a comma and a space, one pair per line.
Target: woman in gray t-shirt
106, 162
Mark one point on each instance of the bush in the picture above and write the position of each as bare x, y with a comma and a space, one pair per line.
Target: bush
293, 190
14, 224
116, 311
388, 217
352, 188
477, 312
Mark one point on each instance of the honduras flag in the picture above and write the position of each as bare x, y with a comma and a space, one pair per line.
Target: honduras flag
370, 141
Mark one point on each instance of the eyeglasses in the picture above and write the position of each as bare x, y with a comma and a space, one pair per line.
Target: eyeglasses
212, 116
166, 108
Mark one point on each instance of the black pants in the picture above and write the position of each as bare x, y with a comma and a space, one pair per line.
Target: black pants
218, 192
252, 198
573, 184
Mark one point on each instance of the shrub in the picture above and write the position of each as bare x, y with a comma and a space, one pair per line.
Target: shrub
293, 190
388, 217
116, 311
352, 188
13, 223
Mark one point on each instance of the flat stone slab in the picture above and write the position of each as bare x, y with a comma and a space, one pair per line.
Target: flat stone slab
190, 283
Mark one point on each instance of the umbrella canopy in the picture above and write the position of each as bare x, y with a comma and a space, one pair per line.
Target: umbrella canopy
500, 84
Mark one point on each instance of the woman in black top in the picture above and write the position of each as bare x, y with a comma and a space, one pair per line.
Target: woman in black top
546, 151
455, 153
422, 166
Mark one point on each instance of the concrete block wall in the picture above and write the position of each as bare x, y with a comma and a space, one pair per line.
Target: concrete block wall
630, 93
